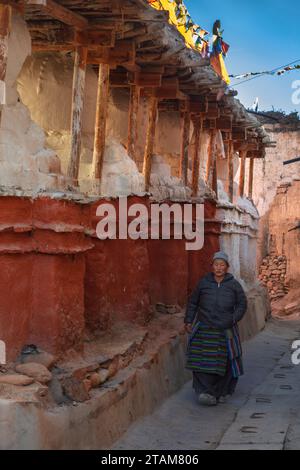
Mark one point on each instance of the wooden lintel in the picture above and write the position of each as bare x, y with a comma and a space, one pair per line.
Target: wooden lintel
246, 145
255, 154
95, 38
146, 79
224, 123
212, 105
59, 12
181, 96
157, 69
198, 104
213, 113
118, 79
68, 38
209, 124
239, 136
134, 32
170, 82
123, 52
41, 47
131, 66
238, 129
169, 105
168, 93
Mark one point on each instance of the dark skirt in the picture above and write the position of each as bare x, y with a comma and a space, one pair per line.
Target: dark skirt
214, 384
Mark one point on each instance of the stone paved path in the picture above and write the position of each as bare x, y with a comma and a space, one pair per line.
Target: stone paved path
264, 413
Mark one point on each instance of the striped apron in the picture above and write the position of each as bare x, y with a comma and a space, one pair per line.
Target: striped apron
208, 350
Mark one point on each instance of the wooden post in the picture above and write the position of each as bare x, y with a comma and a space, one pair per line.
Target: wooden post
185, 141
243, 155
210, 164
5, 25
197, 123
101, 117
77, 111
132, 120
230, 170
215, 178
150, 139
251, 173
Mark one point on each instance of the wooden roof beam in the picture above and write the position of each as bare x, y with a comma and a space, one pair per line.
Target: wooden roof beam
209, 124
70, 38
146, 79
198, 104
122, 54
224, 123
57, 11
119, 79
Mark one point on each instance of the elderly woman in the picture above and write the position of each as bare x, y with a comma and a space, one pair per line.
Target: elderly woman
214, 351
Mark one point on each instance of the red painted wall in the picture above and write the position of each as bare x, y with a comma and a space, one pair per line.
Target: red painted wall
57, 277
42, 245
124, 278
199, 262
117, 283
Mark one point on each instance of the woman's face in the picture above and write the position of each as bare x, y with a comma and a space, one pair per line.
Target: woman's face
220, 267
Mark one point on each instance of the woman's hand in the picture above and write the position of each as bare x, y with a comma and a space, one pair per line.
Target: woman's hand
188, 328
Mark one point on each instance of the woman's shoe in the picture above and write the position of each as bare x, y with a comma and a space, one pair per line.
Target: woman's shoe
206, 399
224, 399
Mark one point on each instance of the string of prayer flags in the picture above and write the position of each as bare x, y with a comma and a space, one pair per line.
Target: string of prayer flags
179, 16
195, 36
272, 72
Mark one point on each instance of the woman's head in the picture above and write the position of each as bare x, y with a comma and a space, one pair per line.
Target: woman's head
220, 263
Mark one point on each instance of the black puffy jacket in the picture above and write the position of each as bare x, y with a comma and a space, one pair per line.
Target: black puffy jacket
217, 305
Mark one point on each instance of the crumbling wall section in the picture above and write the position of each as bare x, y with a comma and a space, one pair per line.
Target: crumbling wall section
25, 161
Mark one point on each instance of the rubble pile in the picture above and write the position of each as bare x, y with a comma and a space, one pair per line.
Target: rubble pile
272, 274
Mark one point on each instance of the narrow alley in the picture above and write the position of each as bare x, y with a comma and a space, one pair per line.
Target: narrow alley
264, 413
149, 225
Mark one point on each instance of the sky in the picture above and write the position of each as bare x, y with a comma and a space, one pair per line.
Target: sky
262, 35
